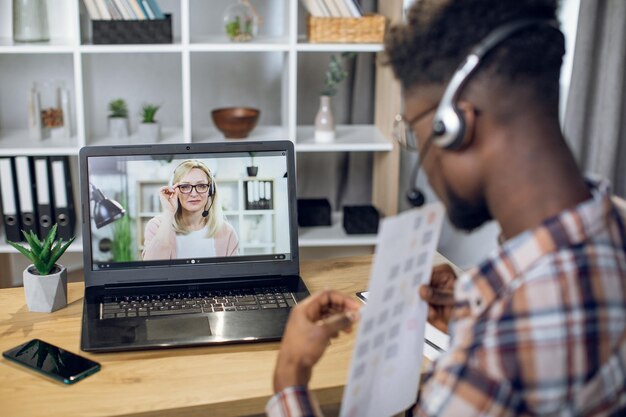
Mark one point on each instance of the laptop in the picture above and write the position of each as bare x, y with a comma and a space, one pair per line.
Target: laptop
188, 244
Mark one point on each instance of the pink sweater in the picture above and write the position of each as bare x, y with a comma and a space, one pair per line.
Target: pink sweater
226, 242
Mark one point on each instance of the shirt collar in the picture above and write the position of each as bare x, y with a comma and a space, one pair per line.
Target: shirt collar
478, 288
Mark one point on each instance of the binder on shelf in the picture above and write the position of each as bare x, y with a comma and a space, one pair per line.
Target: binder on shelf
44, 201
26, 195
62, 196
8, 198
258, 195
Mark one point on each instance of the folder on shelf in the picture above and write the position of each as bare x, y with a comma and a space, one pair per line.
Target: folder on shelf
8, 198
63, 197
44, 200
26, 194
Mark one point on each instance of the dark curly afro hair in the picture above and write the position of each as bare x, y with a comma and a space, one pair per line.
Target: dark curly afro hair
440, 33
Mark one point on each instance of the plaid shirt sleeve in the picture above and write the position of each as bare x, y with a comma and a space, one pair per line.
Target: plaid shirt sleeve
293, 402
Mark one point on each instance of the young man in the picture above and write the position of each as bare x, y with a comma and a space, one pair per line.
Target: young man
538, 328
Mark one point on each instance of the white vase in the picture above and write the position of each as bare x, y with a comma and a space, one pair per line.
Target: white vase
150, 132
118, 127
324, 122
45, 293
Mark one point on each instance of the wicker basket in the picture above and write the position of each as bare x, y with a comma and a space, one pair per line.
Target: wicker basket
366, 29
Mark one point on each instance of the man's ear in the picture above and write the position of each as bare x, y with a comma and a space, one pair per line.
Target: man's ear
468, 110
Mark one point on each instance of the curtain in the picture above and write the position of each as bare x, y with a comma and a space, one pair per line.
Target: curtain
595, 126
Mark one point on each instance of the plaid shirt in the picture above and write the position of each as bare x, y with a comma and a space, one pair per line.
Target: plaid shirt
539, 328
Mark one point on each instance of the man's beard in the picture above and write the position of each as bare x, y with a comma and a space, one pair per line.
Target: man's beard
467, 215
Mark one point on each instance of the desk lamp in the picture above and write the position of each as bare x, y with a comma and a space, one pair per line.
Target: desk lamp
105, 210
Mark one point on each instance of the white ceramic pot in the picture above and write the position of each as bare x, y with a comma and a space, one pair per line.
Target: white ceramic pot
150, 132
118, 127
324, 122
45, 293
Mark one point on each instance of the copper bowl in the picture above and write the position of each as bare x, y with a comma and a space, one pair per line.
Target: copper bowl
235, 122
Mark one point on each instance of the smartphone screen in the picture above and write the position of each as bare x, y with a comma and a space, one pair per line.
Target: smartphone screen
52, 361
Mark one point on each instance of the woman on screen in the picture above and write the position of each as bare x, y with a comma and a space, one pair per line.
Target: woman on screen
192, 224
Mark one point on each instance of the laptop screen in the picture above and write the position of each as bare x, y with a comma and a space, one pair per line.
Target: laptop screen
188, 209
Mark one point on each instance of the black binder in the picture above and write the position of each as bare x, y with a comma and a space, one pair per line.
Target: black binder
41, 170
26, 193
62, 196
9, 200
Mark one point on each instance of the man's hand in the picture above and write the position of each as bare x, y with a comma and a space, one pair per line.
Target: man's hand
312, 323
440, 296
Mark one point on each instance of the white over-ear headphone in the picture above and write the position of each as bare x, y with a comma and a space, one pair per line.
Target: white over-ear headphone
448, 123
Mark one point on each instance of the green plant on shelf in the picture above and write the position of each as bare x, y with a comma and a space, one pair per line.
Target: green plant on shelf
118, 108
238, 32
148, 113
335, 73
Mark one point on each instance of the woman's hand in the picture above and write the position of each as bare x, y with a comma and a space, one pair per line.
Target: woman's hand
169, 199
311, 326
440, 296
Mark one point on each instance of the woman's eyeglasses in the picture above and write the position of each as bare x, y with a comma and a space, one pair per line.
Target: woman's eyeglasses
200, 188
403, 129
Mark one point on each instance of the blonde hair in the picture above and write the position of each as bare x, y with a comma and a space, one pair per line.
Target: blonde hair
215, 219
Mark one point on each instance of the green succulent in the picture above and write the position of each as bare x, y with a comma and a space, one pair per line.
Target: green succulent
43, 254
118, 108
148, 112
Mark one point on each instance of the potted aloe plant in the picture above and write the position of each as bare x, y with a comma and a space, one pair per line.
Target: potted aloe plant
149, 128
45, 281
118, 118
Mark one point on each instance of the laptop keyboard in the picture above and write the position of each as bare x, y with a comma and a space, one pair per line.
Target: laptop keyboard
195, 302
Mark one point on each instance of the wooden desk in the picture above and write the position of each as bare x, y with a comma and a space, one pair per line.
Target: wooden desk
231, 380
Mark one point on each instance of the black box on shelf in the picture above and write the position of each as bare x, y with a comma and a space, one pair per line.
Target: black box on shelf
360, 220
106, 32
313, 212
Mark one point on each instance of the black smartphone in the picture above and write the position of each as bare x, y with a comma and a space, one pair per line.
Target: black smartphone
52, 361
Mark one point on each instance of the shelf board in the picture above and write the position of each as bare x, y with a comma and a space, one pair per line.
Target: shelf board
305, 46
168, 135
18, 142
131, 48
221, 43
333, 235
348, 138
54, 46
259, 133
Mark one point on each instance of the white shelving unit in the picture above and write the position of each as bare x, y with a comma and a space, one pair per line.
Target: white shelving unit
201, 70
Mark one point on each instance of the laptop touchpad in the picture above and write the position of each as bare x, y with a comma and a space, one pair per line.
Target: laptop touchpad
178, 328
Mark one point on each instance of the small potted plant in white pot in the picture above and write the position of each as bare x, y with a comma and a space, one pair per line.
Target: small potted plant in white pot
45, 281
149, 128
118, 118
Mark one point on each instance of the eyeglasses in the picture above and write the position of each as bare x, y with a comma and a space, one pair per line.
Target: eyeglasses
403, 129
200, 188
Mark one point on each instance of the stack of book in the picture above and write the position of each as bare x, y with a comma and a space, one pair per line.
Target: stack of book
333, 8
123, 10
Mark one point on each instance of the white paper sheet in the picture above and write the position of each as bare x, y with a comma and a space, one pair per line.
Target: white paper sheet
387, 358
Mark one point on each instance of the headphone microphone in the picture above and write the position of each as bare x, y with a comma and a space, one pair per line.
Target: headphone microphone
415, 196
448, 128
